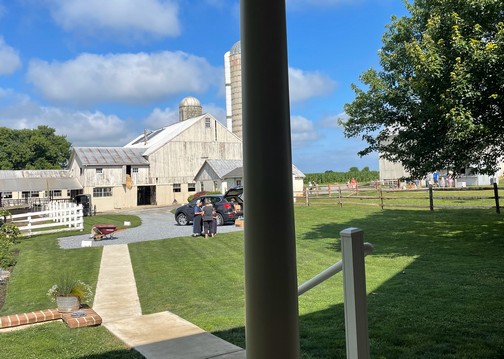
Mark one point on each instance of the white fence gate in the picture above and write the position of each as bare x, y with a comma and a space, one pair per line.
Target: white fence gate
57, 217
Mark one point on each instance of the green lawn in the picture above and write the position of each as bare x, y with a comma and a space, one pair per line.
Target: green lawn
40, 261
435, 285
435, 282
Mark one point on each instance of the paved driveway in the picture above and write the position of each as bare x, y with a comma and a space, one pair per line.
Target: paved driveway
157, 223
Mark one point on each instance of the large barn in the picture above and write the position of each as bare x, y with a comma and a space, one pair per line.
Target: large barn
160, 167
156, 168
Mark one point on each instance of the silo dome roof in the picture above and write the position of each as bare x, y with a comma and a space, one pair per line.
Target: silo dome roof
236, 49
189, 101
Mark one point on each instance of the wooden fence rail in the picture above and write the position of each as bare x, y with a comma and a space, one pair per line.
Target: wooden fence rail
429, 198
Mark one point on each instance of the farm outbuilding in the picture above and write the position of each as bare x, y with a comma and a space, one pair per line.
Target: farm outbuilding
219, 175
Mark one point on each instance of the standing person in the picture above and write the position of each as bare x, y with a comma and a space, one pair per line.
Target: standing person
213, 227
208, 213
435, 177
197, 222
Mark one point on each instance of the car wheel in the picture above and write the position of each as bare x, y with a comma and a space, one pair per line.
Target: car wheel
220, 219
182, 219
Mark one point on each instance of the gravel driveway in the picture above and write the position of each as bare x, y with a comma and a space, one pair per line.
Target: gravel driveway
157, 223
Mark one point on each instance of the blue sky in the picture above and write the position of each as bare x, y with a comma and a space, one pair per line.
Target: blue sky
102, 71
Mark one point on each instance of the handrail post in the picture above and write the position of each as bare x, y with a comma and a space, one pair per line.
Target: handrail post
354, 284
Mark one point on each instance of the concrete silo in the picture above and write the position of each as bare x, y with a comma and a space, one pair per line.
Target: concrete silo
232, 71
189, 107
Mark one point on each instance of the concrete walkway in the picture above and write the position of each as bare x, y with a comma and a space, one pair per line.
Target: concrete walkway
156, 336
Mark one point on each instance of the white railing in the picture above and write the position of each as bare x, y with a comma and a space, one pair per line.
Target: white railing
57, 217
353, 250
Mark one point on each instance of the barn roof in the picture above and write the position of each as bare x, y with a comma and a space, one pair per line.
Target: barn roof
37, 180
110, 156
231, 169
222, 167
153, 140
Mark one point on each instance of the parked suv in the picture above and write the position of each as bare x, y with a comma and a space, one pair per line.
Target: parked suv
226, 212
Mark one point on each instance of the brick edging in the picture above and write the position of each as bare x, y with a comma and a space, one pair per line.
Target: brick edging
15, 320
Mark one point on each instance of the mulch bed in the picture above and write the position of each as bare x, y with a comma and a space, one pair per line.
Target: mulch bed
3, 292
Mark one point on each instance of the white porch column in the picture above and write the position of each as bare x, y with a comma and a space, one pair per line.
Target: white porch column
270, 250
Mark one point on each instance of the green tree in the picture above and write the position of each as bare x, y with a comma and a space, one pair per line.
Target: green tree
438, 100
38, 148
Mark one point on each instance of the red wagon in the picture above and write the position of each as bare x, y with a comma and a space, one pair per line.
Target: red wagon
100, 231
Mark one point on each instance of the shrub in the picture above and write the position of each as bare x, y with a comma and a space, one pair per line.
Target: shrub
196, 195
8, 235
7, 258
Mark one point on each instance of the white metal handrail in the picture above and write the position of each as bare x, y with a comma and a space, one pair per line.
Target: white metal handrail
329, 272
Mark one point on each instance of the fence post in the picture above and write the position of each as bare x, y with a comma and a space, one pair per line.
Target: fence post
354, 285
496, 196
307, 200
340, 200
381, 199
431, 198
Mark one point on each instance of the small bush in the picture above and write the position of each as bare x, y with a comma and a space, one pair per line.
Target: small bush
8, 235
7, 258
196, 195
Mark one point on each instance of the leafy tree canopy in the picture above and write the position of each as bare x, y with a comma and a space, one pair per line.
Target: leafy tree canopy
329, 176
32, 149
438, 101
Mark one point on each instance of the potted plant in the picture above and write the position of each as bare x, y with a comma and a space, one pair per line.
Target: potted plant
69, 293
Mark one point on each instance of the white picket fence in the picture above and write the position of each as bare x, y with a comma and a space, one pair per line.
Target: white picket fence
57, 217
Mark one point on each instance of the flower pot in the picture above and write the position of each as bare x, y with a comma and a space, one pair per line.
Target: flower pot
67, 304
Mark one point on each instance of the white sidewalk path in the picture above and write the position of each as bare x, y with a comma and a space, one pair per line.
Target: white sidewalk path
156, 336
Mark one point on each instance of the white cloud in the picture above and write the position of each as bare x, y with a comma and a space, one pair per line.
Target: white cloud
128, 78
9, 58
332, 121
152, 17
160, 118
319, 3
302, 131
304, 85
81, 128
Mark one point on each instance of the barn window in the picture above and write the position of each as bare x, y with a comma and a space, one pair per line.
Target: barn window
191, 187
28, 194
176, 187
55, 193
238, 182
134, 169
207, 122
99, 170
7, 194
102, 192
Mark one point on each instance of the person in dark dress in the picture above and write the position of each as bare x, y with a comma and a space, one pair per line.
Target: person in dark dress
197, 220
